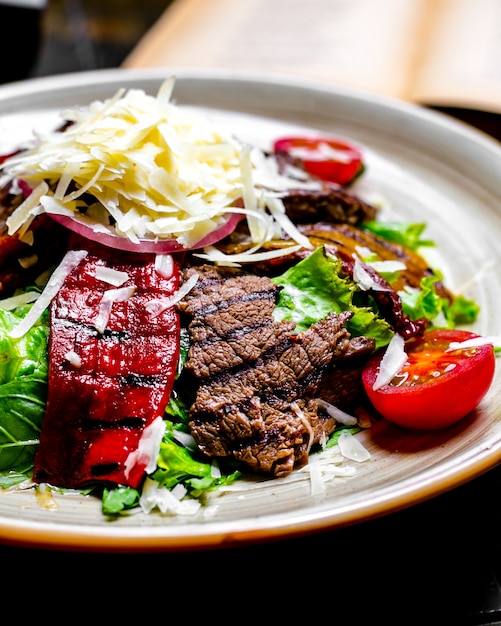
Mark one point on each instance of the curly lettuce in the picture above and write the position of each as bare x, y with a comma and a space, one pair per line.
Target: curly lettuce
23, 393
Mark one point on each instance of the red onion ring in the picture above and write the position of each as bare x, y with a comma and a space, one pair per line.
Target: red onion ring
145, 245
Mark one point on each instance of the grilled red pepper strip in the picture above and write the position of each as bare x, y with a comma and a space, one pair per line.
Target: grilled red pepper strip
106, 387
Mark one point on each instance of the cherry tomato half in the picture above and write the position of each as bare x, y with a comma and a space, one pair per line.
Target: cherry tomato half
329, 159
435, 388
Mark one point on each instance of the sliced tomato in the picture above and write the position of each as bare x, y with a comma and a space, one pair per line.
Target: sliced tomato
437, 386
327, 158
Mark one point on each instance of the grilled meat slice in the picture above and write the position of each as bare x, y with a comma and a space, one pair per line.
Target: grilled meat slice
107, 385
256, 380
231, 319
331, 203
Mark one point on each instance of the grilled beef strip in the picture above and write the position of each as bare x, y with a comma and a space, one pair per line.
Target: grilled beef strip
99, 409
256, 380
332, 202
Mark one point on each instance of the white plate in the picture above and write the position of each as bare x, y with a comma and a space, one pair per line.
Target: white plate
427, 167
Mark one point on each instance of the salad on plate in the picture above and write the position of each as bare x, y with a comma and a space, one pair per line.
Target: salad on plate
180, 310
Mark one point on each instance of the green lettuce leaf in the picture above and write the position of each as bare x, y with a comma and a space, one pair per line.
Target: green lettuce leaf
119, 499
426, 303
403, 233
177, 463
423, 302
315, 287
23, 391
461, 311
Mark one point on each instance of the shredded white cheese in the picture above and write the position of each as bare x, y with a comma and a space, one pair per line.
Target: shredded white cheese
389, 266
109, 297
164, 265
165, 500
148, 448
110, 275
157, 305
325, 466
156, 171
340, 416
306, 423
392, 362
28, 261
8, 304
363, 278
473, 343
351, 448
27, 210
70, 261
73, 358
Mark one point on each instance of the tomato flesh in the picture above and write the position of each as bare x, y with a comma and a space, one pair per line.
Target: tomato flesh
329, 159
435, 388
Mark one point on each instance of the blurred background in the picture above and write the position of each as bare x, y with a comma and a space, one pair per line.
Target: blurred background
92, 34
59, 36
62, 36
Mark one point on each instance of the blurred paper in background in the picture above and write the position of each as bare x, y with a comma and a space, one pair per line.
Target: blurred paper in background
436, 52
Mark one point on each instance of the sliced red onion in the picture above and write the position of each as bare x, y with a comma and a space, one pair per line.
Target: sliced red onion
24, 187
107, 238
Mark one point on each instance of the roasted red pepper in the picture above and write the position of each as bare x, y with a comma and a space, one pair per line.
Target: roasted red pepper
107, 386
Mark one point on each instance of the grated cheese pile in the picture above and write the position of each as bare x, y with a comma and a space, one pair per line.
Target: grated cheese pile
155, 171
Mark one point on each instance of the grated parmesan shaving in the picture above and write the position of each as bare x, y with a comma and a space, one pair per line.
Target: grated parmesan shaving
28, 238
340, 416
8, 304
364, 280
110, 296
322, 467
70, 261
392, 362
73, 359
213, 254
28, 261
26, 211
148, 449
389, 266
157, 305
351, 448
167, 501
110, 275
306, 423
164, 265
473, 343
156, 172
